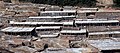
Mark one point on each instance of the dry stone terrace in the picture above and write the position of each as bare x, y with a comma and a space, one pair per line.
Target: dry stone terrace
41, 28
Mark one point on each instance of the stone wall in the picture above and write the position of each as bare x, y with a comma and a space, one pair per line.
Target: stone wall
105, 2
15, 1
